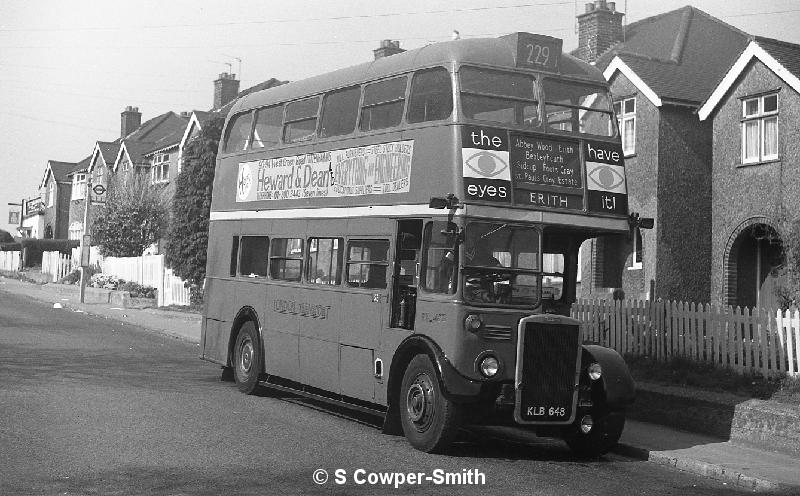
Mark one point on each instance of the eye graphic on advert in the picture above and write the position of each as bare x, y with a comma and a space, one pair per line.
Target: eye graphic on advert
606, 178
486, 164
244, 182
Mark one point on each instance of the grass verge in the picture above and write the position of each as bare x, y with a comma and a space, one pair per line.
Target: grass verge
683, 372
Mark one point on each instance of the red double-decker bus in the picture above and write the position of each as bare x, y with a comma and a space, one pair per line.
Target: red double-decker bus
402, 236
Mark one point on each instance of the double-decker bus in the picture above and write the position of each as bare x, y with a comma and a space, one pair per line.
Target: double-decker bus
402, 236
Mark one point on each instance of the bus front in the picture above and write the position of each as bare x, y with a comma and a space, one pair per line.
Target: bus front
542, 171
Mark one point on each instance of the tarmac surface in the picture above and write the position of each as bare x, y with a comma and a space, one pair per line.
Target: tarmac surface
713, 457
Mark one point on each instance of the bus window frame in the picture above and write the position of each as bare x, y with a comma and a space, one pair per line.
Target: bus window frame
338, 279
321, 112
286, 122
226, 133
575, 133
256, 112
538, 97
284, 257
385, 264
361, 107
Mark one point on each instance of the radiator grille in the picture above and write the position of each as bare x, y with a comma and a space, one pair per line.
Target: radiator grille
496, 333
549, 361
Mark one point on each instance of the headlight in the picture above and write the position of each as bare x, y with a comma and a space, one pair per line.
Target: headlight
489, 366
472, 323
595, 371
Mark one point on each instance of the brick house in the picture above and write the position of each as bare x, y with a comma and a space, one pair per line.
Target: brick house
55, 190
660, 75
754, 113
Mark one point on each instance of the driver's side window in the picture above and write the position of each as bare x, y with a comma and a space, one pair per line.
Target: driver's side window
440, 274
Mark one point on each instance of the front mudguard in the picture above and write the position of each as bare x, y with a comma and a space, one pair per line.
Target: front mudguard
618, 386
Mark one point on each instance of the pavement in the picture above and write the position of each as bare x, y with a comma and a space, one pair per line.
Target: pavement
709, 456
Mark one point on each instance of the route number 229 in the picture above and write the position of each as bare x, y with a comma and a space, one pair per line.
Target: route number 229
538, 54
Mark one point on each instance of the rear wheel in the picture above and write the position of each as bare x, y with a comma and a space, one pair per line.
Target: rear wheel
247, 358
606, 431
430, 421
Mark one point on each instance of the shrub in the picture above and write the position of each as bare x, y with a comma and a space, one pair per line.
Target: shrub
137, 290
105, 281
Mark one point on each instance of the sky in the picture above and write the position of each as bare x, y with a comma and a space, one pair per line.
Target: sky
69, 67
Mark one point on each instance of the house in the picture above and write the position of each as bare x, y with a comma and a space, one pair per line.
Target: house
661, 69
32, 218
55, 190
754, 112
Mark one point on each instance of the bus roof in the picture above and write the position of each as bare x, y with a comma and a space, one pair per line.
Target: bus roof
498, 52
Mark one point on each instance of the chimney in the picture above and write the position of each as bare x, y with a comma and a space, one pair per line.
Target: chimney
131, 120
599, 28
225, 89
387, 48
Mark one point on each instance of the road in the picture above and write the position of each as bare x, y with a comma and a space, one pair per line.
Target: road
91, 406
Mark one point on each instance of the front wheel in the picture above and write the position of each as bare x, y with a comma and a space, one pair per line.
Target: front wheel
606, 431
430, 421
247, 358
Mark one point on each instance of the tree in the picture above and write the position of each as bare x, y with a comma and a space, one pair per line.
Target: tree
789, 290
133, 218
187, 237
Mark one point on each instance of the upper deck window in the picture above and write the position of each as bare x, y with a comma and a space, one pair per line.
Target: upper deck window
267, 131
237, 134
339, 112
431, 96
300, 123
495, 96
578, 108
383, 104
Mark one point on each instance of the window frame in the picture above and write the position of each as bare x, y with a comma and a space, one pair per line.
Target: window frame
760, 116
160, 168
326, 97
380, 263
535, 99
51, 193
574, 107
383, 103
410, 99
284, 257
637, 249
240, 245
257, 113
337, 276
229, 129
628, 149
288, 122
78, 192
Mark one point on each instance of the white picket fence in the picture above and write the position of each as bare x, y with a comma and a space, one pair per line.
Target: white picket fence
9, 261
56, 264
758, 341
149, 270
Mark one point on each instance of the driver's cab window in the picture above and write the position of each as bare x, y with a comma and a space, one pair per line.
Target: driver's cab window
440, 274
501, 264
552, 276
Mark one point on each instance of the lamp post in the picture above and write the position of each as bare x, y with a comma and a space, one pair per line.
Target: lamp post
86, 238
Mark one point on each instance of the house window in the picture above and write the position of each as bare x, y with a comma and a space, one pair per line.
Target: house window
75, 230
760, 129
160, 168
626, 120
638, 250
51, 193
79, 186
126, 166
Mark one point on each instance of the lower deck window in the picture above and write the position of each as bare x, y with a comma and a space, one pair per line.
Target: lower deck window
253, 256
367, 261
324, 261
286, 259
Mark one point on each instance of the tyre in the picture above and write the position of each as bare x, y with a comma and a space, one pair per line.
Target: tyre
430, 421
600, 440
247, 358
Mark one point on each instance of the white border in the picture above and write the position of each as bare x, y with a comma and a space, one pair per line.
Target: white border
618, 65
331, 212
753, 50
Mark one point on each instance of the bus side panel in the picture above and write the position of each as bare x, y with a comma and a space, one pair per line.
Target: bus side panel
281, 336
319, 310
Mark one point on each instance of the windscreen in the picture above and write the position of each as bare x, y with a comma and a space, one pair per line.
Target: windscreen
501, 264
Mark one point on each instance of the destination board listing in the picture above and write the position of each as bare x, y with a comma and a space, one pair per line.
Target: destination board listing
545, 162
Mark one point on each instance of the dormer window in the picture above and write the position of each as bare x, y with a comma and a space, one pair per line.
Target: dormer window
760, 129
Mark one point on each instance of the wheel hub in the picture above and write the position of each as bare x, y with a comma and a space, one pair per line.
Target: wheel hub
246, 353
420, 402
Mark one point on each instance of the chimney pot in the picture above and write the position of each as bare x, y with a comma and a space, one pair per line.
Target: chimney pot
599, 4
589, 7
612, 6
387, 48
